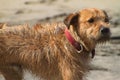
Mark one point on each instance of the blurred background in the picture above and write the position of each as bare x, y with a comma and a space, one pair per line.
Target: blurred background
106, 64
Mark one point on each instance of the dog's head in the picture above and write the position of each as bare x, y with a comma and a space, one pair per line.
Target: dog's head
91, 23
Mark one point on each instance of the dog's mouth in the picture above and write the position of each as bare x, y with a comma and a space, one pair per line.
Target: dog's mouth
101, 38
104, 35
104, 38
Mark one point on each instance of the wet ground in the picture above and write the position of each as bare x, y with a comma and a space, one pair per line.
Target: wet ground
106, 64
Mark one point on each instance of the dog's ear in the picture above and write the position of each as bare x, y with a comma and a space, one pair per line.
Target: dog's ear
107, 17
71, 19
105, 13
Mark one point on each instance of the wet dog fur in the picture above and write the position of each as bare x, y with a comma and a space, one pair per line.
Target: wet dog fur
46, 52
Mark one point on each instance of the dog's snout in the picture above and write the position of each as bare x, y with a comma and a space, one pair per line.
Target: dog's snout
104, 30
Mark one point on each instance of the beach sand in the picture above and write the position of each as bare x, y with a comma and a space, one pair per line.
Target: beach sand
106, 64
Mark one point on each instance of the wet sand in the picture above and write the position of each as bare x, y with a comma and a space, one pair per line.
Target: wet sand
106, 64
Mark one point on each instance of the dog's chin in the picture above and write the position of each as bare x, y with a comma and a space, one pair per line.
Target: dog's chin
101, 39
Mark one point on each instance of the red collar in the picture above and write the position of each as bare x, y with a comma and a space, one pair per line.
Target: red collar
75, 43
72, 40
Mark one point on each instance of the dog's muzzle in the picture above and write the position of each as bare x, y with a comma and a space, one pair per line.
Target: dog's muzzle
104, 34
104, 31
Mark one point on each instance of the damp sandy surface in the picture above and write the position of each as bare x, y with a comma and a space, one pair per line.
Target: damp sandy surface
106, 63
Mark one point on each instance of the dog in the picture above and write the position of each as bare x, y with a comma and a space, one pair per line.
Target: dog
54, 51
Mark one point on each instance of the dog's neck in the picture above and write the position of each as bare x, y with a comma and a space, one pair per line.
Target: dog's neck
90, 44
82, 38
78, 44
70, 38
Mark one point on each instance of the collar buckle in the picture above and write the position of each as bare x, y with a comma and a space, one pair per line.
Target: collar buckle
79, 51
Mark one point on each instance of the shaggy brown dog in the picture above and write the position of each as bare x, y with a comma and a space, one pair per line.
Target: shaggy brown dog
57, 51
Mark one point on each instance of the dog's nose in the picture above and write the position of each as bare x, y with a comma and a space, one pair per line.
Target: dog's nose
104, 30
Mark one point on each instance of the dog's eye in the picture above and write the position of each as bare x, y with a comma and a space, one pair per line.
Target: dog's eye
106, 20
91, 20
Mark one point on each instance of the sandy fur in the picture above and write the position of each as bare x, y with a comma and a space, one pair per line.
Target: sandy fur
44, 50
